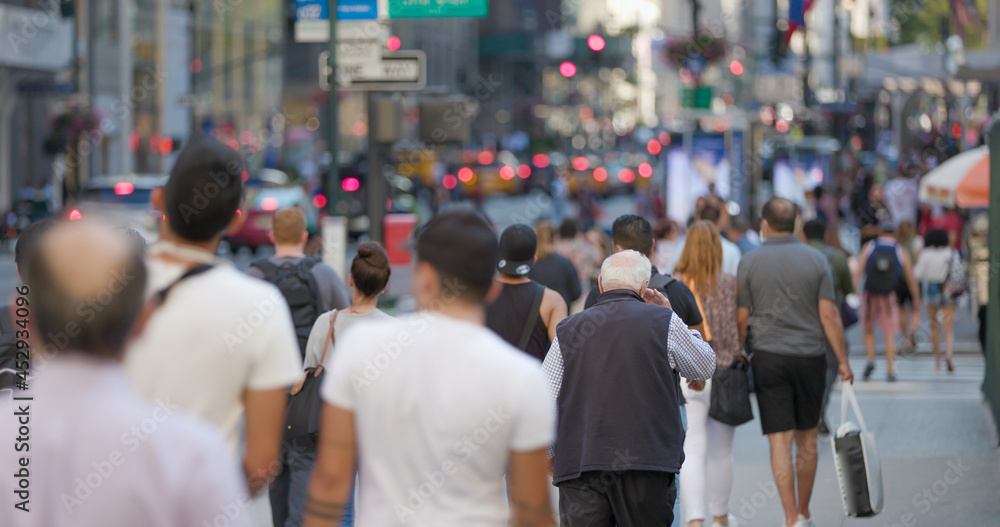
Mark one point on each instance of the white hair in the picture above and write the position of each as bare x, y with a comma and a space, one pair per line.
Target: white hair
625, 270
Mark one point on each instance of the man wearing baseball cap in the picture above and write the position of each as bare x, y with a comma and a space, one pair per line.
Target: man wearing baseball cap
525, 313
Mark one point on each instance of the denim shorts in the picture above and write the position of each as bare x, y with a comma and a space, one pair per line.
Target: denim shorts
933, 295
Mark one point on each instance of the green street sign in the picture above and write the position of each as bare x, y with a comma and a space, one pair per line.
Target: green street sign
438, 8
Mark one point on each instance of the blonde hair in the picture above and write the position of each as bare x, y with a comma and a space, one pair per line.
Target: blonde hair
701, 259
288, 226
545, 232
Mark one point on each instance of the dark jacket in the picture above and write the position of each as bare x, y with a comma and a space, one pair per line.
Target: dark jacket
618, 407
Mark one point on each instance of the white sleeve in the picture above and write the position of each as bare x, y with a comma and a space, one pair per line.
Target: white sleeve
278, 363
216, 485
317, 338
533, 425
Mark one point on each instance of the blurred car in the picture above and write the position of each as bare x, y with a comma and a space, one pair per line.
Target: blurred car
122, 201
260, 204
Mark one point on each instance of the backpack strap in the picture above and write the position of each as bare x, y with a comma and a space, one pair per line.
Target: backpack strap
266, 266
161, 295
533, 315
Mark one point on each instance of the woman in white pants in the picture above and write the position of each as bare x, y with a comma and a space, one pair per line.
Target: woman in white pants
708, 447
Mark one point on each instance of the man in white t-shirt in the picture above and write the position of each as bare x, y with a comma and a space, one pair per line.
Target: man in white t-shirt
434, 408
221, 345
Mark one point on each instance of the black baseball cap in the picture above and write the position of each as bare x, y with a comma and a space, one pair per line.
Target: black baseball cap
517, 250
459, 242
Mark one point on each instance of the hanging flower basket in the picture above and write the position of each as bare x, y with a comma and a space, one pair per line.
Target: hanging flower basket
69, 127
695, 53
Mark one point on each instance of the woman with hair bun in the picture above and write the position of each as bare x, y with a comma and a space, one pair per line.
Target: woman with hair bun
369, 276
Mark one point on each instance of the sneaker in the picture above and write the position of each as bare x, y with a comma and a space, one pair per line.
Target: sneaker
890, 378
804, 522
869, 369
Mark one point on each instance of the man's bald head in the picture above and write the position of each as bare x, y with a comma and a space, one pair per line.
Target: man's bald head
87, 284
780, 215
625, 270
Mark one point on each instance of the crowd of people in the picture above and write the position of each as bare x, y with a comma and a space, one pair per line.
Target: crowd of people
165, 379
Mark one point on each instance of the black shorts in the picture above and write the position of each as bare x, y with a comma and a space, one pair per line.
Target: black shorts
903, 295
789, 390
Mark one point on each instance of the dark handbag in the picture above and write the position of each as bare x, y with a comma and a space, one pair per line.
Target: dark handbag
730, 399
848, 315
305, 405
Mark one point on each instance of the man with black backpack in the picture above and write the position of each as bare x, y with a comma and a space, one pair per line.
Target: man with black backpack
882, 265
310, 286
634, 232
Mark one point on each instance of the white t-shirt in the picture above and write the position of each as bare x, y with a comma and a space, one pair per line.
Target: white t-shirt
218, 334
438, 404
933, 264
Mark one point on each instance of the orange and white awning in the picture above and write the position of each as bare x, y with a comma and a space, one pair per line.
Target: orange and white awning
962, 181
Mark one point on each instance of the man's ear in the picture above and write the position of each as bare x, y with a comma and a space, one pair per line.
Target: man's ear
645, 284
236, 222
652, 248
270, 237
617, 249
600, 284
139, 326
305, 237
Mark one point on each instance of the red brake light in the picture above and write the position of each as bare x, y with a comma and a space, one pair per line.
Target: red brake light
269, 204
124, 188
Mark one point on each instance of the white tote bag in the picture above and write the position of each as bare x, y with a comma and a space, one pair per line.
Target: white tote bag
857, 461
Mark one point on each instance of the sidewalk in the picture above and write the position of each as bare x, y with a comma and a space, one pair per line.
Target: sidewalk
938, 446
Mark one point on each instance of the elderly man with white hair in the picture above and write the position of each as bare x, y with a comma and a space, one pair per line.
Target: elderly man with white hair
619, 444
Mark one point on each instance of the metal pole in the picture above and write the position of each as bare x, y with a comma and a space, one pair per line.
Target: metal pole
375, 183
333, 191
991, 381
124, 24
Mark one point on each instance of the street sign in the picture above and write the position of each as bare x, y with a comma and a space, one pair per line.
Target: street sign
312, 17
438, 8
399, 71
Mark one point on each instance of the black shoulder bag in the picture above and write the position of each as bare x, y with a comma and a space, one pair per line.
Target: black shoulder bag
305, 405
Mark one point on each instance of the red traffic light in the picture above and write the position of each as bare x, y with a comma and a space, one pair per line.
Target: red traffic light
350, 184
595, 42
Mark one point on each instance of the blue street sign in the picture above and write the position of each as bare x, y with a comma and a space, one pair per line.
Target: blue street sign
317, 10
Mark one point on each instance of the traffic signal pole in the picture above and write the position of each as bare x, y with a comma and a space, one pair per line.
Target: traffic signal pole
333, 191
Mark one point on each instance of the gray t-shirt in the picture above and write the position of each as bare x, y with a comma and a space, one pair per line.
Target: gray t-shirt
332, 291
782, 283
317, 337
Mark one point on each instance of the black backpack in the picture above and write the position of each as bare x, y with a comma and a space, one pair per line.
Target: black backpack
299, 287
883, 269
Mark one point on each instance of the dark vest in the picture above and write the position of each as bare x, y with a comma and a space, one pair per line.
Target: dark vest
618, 406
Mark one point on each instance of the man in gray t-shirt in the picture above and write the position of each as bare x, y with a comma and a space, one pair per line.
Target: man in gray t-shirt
787, 287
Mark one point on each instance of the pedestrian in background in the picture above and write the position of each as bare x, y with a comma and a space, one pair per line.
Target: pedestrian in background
309, 286
788, 287
180, 475
554, 270
585, 258
524, 312
708, 447
731, 253
909, 317
933, 266
611, 370
221, 346
669, 243
436, 400
881, 265
370, 271
739, 232
843, 284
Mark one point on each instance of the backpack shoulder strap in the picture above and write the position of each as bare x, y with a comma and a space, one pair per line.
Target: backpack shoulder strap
161, 295
267, 267
533, 315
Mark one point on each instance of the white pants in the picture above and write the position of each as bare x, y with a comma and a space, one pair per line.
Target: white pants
708, 459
